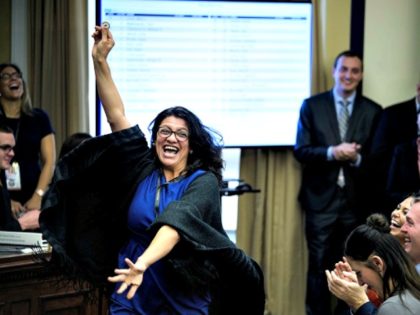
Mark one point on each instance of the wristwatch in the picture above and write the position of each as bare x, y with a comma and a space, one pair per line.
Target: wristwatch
40, 192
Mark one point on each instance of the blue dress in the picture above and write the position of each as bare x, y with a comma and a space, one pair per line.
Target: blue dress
159, 293
84, 218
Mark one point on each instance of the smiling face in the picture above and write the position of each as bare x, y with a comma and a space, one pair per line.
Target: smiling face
411, 230
6, 155
398, 219
369, 273
347, 75
173, 150
11, 84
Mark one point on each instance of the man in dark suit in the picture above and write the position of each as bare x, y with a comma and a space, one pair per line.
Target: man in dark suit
397, 125
334, 134
404, 172
29, 219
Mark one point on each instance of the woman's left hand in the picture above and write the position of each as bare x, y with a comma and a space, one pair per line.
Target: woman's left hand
131, 277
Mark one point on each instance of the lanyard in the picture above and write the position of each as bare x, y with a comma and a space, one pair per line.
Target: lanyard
158, 188
15, 132
14, 124
157, 196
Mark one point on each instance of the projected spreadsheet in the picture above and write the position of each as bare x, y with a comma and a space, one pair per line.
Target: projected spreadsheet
231, 69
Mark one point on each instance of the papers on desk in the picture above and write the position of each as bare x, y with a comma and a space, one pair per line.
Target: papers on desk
22, 242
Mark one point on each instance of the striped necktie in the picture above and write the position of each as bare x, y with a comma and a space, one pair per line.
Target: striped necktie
343, 118
343, 121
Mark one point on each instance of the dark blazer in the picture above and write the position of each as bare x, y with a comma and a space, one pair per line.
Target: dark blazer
317, 130
398, 124
7, 221
404, 176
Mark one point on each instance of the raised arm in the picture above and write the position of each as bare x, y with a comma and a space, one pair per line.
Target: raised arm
108, 93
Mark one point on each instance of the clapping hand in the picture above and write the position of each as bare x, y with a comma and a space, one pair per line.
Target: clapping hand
346, 151
343, 283
343, 270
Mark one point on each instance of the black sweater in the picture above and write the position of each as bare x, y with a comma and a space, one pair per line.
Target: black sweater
84, 219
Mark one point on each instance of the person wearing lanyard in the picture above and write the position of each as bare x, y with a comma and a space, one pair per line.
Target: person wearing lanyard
156, 217
34, 161
27, 221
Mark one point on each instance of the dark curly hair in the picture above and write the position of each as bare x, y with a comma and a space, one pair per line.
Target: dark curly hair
206, 144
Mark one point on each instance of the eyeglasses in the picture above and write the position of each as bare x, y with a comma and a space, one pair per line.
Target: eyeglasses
7, 148
165, 132
7, 76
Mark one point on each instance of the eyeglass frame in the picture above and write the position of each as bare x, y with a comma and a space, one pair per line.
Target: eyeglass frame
7, 148
177, 134
7, 76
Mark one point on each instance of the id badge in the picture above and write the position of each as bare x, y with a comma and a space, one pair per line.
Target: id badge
13, 177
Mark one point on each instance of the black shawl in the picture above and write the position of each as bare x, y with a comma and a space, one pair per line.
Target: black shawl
84, 217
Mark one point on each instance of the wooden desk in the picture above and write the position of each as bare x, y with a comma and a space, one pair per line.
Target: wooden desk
28, 288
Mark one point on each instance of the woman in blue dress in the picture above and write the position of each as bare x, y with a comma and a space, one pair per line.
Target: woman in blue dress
175, 257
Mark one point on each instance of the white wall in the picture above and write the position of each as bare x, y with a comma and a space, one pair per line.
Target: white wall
391, 50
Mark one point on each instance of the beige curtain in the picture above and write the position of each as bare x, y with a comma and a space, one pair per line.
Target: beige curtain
319, 47
58, 63
271, 223
270, 226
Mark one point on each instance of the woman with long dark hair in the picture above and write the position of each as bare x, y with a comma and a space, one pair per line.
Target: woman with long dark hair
378, 262
156, 216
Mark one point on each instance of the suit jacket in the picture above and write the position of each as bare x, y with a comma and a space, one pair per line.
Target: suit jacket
317, 130
404, 176
398, 124
7, 221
